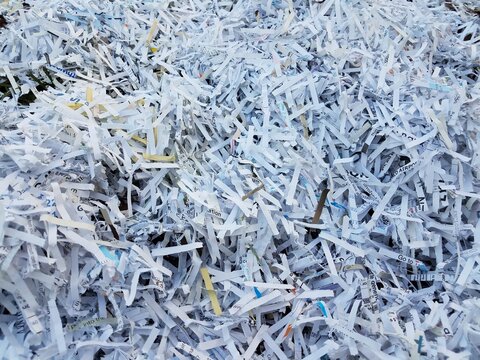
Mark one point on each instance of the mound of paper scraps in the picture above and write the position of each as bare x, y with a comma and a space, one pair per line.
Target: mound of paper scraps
251, 179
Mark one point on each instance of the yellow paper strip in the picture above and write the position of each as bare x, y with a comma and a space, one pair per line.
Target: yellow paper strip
211, 291
162, 158
89, 94
75, 106
152, 31
251, 192
67, 223
139, 139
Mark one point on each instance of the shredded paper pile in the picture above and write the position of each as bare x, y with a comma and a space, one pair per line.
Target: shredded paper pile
239, 179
